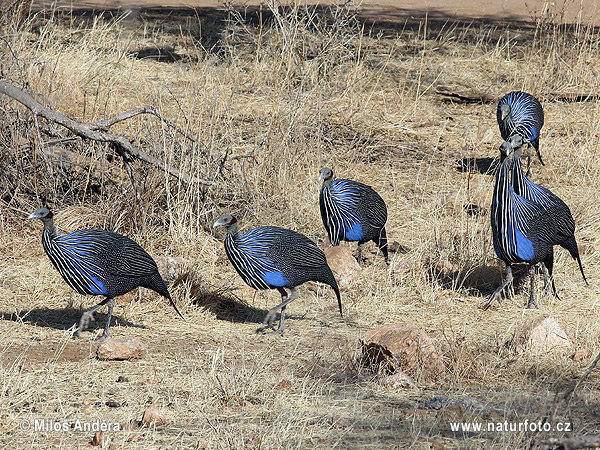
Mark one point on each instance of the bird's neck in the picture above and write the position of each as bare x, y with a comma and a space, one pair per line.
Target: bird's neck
327, 183
502, 180
50, 229
518, 176
233, 231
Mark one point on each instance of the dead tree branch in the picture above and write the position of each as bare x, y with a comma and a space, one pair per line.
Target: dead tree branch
97, 131
574, 442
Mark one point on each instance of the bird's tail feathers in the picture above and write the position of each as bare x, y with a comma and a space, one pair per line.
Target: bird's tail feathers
571, 245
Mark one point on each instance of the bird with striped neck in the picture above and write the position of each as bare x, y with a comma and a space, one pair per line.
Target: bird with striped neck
522, 231
554, 205
352, 211
99, 262
276, 258
520, 113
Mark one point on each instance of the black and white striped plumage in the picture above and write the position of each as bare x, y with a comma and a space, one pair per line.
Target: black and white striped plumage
556, 208
99, 262
352, 211
521, 113
522, 230
275, 258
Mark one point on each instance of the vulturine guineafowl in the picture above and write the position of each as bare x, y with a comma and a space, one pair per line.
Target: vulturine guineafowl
276, 258
99, 262
522, 230
556, 208
352, 211
521, 113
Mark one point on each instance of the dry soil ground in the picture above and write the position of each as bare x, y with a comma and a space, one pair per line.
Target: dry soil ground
285, 100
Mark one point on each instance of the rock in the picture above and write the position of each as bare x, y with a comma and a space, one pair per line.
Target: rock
580, 354
284, 385
540, 335
399, 380
403, 347
118, 350
245, 292
437, 445
487, 137
344, 266
454, 201
445, 269
170, 267
98, 439
473, 202
202, 444
153, 417
480, 202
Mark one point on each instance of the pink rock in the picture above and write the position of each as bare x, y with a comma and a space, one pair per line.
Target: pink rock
344, 266
118, 350
540, 335
403, 347
153, 417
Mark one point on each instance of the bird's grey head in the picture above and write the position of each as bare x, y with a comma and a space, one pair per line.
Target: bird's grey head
325, 174
44, 214
504, 111
226, 220
506, 150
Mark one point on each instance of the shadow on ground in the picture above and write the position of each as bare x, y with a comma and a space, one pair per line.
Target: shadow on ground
62, 319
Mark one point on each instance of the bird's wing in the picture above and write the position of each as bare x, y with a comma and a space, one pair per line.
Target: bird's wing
116, 254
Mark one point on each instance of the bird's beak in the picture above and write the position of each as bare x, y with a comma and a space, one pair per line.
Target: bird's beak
216, 224
32, 216
320, 176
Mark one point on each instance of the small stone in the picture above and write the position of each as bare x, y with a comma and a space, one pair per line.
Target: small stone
540, 335
284, 385
122, 379
170, 267
118, 350
202, 444
580, 354
399, 380
245, 292
153, 416
404, 347
98, 439
437, 445
344, 266
113, 404
340, 422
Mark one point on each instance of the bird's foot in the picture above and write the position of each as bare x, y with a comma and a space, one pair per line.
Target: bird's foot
267, 323
86, 318
531, 305
496, 296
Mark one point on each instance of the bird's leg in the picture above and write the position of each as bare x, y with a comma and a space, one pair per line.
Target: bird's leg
269, 319
111, 305
360, 249
546, 280
88, 315
497, 295
516, 282
531, 303
528, 173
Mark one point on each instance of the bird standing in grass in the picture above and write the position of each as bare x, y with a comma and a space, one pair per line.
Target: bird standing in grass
521, 113
352, 211
276, 258
522, 230
556, 208
99, 262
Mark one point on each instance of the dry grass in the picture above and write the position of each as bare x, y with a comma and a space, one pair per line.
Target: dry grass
286, 97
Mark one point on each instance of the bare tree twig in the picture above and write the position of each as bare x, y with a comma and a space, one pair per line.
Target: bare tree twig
121, 144
574, 442
104, 125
